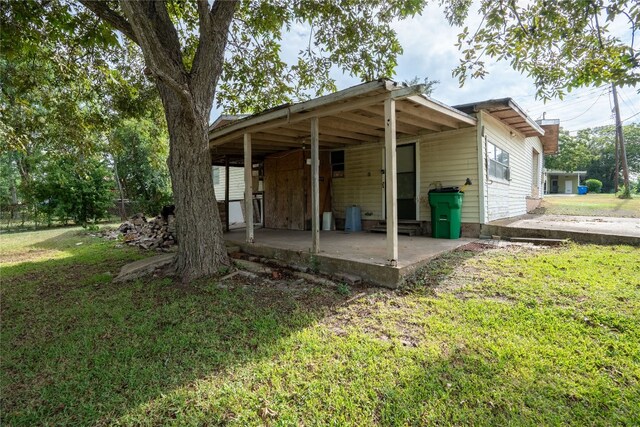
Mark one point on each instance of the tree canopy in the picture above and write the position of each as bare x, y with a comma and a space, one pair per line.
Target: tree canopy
562, 45
64, 88
593, 150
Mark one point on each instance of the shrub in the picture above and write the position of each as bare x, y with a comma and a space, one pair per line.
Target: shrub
624, 192
593, 185
70, 188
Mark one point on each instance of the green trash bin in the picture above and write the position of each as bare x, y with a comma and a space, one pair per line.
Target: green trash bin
446, 216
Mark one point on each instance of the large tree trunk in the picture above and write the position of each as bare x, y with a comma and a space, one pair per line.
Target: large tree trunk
201, 248
187, 96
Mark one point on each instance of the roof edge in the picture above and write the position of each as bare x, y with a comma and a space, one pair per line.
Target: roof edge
561, 172
501, 102
285, 110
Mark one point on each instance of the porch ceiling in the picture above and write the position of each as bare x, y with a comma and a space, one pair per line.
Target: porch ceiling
350, 117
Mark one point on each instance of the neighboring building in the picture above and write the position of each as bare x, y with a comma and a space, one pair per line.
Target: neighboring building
493, 143
561, 182
236, 182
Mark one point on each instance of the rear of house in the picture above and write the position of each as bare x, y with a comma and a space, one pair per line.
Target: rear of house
503, 162
494, 144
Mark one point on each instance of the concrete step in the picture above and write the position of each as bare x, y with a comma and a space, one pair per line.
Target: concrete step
406, 222
509, 232
408, 231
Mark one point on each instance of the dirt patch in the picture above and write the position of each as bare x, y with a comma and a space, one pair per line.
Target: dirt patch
475, 247
381, 314
468, 273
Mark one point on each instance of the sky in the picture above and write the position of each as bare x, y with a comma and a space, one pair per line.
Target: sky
429, 51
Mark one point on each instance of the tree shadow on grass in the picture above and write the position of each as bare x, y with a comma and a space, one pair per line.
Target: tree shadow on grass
415, 358
78, 349
487, 379
470, 388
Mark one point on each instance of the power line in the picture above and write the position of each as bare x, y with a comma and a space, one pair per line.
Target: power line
587, 110
561, 103
601, 124
632, 116
566, 107
631, 107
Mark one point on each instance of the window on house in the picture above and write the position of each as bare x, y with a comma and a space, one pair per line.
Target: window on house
498, 162
337, 164
216, 175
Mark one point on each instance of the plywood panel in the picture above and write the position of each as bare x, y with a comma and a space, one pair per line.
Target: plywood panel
270, 199
550, 138
284, 193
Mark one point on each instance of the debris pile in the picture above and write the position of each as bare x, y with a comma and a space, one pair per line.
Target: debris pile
156, 233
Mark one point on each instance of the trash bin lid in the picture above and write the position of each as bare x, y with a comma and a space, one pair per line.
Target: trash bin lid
445, 190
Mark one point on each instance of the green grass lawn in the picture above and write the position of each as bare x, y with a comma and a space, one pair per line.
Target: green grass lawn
501, 337
591, 204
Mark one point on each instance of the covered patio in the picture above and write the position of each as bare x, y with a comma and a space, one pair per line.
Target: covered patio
379, 113
362, 254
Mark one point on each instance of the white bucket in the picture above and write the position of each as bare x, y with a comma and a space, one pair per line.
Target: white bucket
327, 220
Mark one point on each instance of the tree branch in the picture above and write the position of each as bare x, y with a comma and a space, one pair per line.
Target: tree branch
203, 13
207, 64
117, 21
160, 45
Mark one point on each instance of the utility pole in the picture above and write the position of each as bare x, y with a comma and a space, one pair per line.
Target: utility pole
620, 140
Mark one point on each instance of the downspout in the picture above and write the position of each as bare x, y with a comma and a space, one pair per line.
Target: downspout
481, 176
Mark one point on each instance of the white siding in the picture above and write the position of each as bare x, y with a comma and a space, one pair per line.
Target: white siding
236, 183
362, 183
506, 199
449, 158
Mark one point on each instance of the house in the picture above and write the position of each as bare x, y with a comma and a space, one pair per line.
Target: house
382, 146
562, 182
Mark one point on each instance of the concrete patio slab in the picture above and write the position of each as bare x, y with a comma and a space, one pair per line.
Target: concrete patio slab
362, 253
607, 230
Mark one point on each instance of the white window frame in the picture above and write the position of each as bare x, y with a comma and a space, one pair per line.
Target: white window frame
499, 163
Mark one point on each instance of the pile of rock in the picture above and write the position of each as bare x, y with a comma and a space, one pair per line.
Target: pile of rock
156, 233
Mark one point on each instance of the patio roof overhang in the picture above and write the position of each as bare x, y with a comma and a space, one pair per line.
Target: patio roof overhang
346, 118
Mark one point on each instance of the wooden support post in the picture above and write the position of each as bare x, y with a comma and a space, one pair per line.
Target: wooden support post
315, 187
226, 192
391, 180
248, 188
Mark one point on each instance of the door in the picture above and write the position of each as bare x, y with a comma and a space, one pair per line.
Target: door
535, 174
406, 173
568, 187
284, 195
